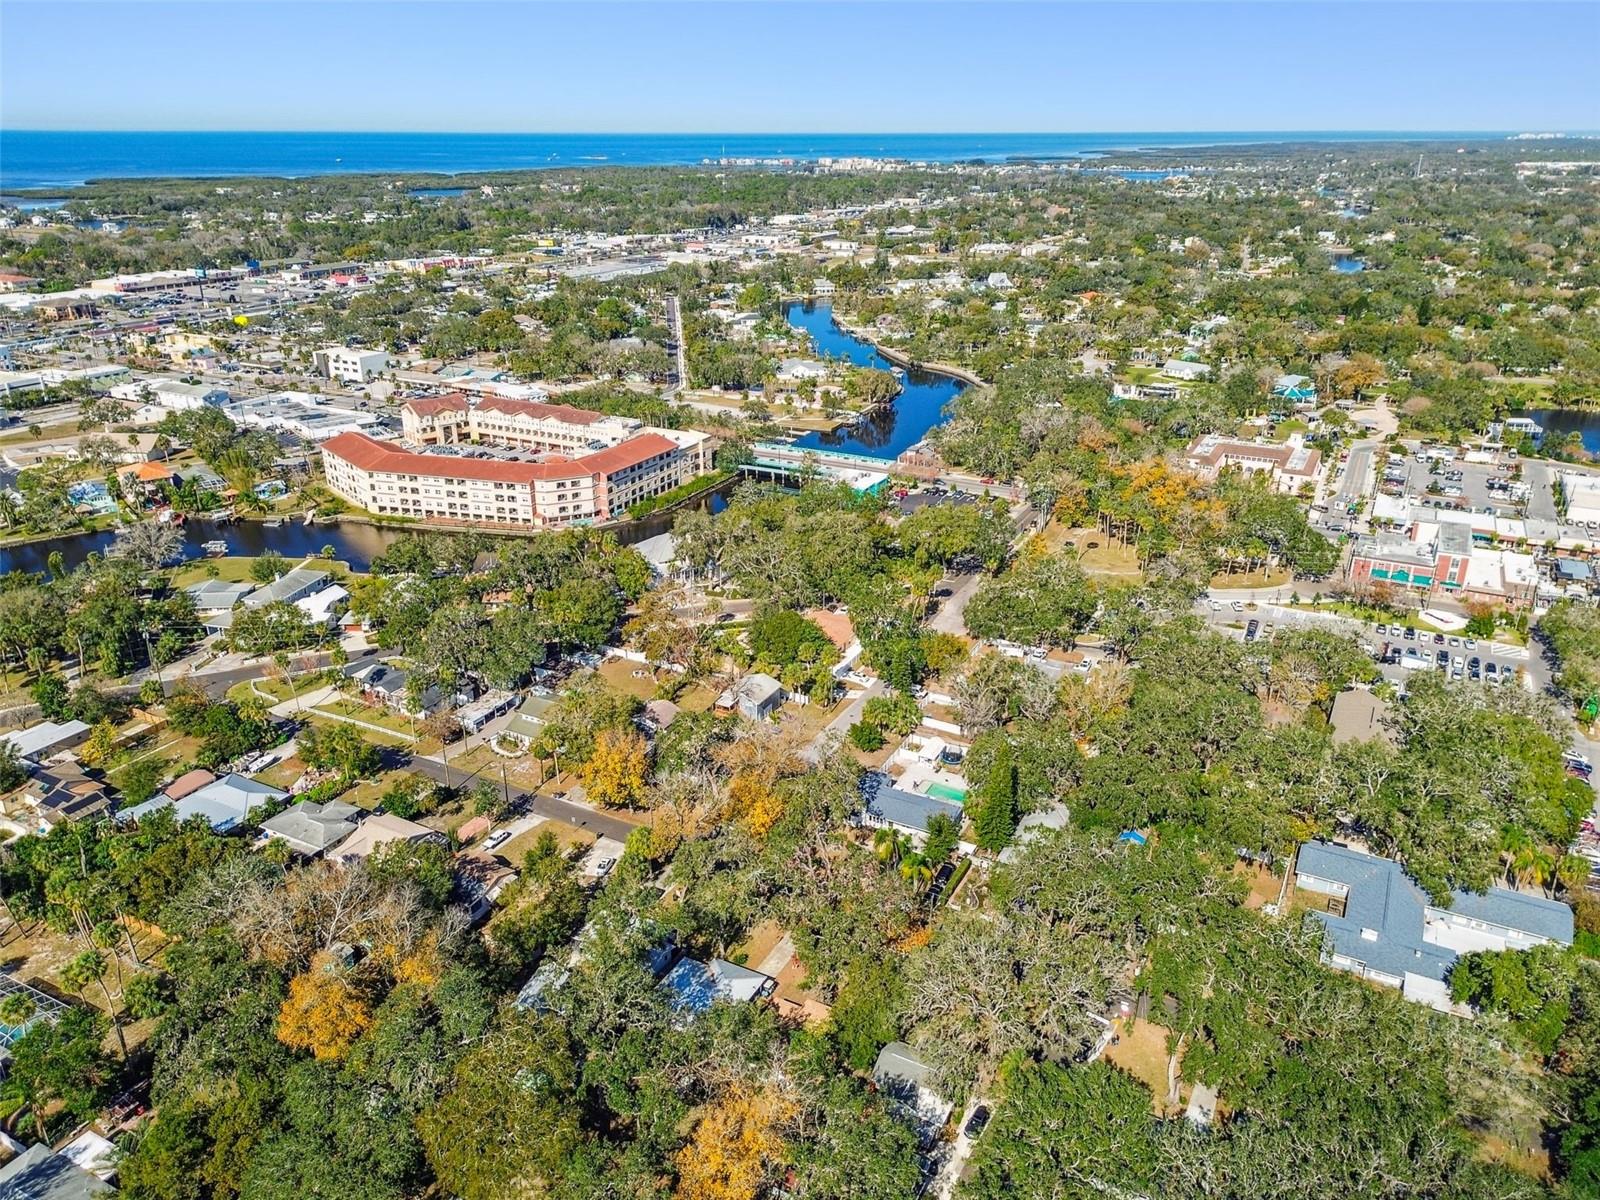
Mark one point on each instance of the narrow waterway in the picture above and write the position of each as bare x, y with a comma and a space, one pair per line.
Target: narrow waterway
895, 427
354, 543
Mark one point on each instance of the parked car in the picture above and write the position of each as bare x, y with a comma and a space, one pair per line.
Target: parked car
1251, 630
497, 839
977, 1121
1443, 659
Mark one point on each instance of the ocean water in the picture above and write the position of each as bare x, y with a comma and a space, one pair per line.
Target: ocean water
62, 159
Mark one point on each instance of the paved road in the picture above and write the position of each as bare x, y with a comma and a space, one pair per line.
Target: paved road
1357, 475
540, 805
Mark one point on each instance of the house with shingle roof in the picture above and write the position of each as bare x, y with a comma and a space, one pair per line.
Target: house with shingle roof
1382, 926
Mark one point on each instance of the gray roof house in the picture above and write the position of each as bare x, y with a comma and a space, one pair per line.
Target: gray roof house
907, 1082
527, 723
756, 696
695, 986
883, 804
226, 803
217, 595
39, 741
1382, 926
40, 1173
290, 586
311, 827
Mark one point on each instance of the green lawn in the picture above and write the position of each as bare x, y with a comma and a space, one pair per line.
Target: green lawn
382, 717
235, 568
276, 689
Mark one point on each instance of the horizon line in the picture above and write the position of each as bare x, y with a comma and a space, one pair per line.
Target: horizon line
1573, 132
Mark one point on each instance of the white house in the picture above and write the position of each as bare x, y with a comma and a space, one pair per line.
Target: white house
1182, 368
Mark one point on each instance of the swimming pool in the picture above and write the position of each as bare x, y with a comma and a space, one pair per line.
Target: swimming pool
945, 791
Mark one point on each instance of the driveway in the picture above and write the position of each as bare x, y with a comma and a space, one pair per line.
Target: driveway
950, 618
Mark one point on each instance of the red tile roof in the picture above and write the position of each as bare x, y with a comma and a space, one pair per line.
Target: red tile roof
369, 454
538, 410
626, 454
454, 402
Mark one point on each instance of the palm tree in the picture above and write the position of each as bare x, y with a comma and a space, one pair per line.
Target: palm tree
1535, 865
1514, 842
1573, 872
916, 870
890, 845
90, 967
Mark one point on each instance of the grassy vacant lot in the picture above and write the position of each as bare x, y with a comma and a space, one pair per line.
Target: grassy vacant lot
368, 715
46, 433
230, 569
171, 749
379, 736
630, 677
1240, 580
572, 839
1096, 553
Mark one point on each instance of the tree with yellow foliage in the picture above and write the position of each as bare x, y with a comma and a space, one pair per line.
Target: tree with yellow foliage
736, 1146
616, 772
752, 799
323, 1012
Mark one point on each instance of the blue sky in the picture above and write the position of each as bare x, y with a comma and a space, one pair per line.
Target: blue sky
779, 67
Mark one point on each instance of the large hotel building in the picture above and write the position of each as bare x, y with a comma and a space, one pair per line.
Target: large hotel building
556, 465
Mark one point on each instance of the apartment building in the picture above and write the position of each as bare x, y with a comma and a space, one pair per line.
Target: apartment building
384, 478
526, 424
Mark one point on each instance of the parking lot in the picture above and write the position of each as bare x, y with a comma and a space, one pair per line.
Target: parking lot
1463, 486
1419, 651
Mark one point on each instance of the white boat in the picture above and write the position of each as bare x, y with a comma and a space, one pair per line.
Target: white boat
898, 372
215, 548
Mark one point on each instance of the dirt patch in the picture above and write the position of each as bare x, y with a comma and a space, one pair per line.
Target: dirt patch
1141, 1050
1264, 885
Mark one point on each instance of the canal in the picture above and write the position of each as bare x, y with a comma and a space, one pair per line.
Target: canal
887, 431
353, 542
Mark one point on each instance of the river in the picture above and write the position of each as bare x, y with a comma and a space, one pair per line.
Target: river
1559, 422
353, 542
893, 428
881, 434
